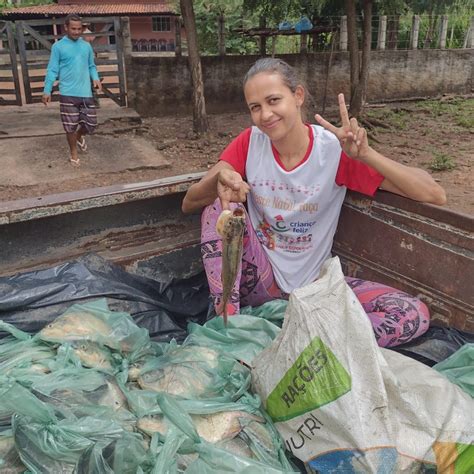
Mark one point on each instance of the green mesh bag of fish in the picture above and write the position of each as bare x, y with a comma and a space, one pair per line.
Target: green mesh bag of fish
205, 437
243, 338
49, 439
192, 372
91, 393
96, 323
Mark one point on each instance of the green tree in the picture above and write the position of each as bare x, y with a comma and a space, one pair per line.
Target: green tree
207, 16
433, 8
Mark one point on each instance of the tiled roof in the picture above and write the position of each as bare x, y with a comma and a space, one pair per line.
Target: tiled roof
89, 9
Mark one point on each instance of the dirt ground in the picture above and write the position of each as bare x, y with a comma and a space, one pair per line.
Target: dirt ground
436, 135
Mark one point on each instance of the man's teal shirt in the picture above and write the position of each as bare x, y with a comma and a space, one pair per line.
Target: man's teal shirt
72, 62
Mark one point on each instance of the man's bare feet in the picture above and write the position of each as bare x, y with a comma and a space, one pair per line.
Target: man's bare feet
82, 145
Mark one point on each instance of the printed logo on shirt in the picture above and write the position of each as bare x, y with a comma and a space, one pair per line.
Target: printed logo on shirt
294, 243
283, 204
265, 234
278, 187
280, 225
282, 235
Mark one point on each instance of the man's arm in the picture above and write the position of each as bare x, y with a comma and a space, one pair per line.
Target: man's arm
51, 75
93, 70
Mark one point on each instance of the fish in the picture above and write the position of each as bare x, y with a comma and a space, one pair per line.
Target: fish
189, 354
236, 446
10, 461
133, 373
93, 355
186, 381
258, 432
153, 424
74, 326
221, 425
109, 394
230, 226
214, 428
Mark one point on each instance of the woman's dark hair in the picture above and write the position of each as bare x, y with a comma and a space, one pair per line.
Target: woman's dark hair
287, 73
72, 17
275, 66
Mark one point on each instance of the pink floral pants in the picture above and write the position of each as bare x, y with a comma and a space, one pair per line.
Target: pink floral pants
396, 317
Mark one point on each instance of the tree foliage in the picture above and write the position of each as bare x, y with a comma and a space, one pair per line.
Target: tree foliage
254, 13
207, 13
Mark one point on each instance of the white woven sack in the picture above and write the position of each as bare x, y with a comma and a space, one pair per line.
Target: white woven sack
320, 380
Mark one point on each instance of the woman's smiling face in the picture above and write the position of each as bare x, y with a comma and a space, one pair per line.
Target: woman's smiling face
274, 108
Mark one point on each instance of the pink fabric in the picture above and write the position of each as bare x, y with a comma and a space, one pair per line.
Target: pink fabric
396, 317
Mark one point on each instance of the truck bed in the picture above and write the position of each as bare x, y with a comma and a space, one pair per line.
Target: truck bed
425, 250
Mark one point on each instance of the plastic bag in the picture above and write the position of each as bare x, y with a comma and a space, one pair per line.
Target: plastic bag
47, 441
10, 462
210, 436
243, 338
436, 345
303, 24
459, 368
273, 311
94, 322
119, 456
341, 402
33, 299
285, 25
195, 372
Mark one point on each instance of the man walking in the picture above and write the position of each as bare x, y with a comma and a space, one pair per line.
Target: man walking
72, 62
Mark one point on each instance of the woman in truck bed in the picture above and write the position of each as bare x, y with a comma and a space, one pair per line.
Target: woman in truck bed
294, 178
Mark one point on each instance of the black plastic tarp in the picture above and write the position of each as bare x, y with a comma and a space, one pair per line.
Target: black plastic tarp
163, 305
437, 344
33, 299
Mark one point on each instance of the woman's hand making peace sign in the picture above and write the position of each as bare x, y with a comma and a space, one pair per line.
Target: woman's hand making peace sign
353, 138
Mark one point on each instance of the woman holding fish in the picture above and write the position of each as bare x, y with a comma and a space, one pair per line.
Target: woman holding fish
294, 177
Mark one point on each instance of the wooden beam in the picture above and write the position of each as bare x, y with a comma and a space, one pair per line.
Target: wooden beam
120, 60
37, 36
13, 61
23, 60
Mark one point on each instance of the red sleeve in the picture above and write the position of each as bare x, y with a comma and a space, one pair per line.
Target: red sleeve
357, 176
236, 152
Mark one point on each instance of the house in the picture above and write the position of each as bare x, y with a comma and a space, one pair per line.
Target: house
152, 22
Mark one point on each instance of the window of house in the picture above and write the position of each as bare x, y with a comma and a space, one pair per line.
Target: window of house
161, 23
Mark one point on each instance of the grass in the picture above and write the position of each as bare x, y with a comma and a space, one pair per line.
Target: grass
459, 111
465, 122
441, 162
394, 118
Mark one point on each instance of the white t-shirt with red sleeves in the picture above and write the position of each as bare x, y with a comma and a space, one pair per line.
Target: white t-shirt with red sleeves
295, 212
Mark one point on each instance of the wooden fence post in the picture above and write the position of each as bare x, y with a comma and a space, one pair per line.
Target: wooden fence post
13, 62
177, 32
382, 33
469, 38
443, 32
221, 34
20, 35
126, 37
303, 43
415, 31
118, 28
343, 40
262, 24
